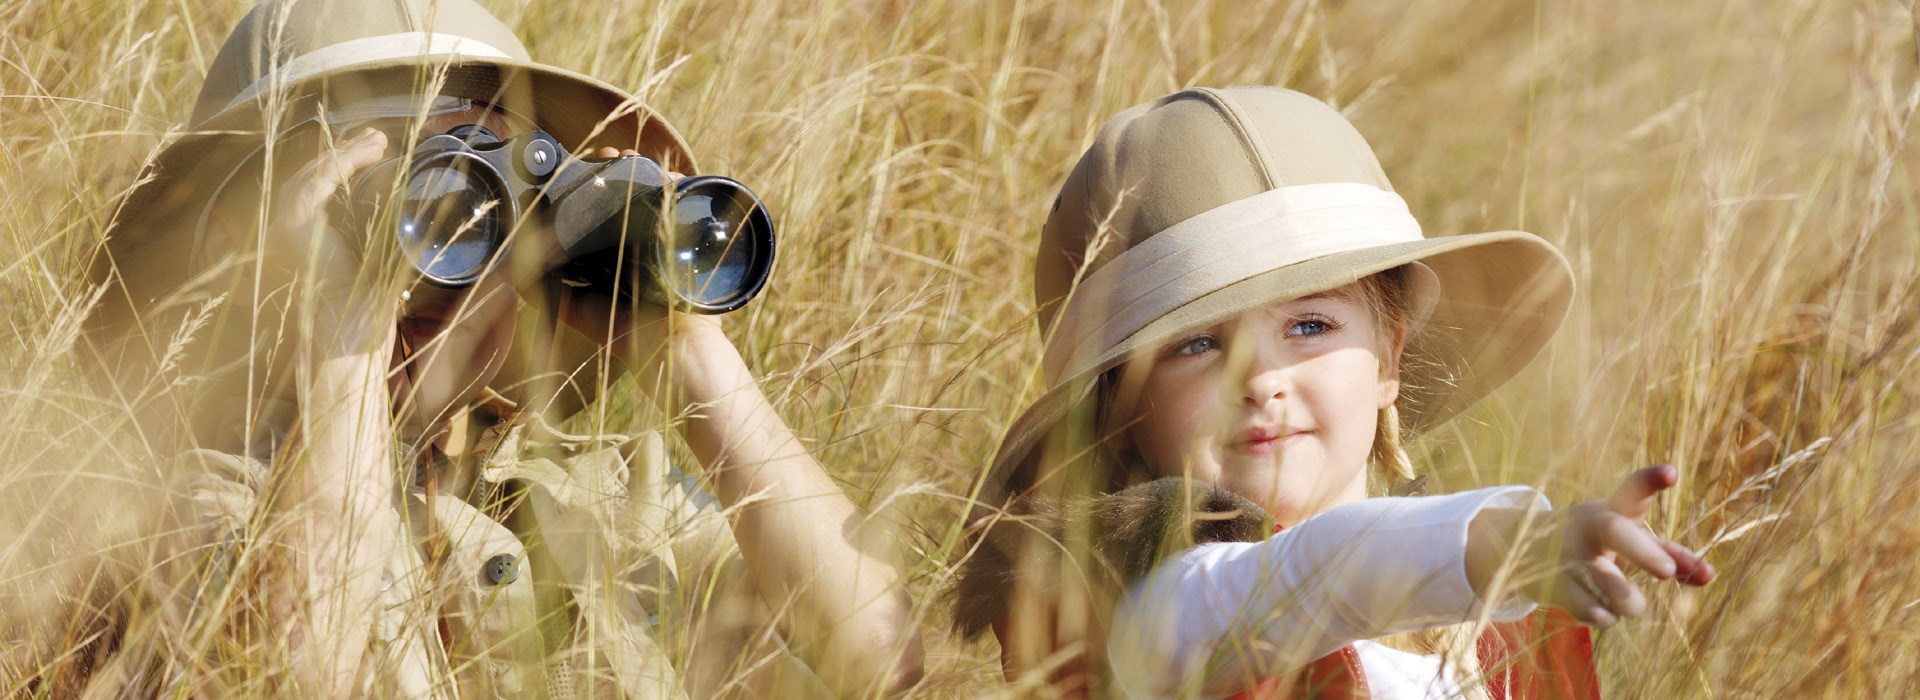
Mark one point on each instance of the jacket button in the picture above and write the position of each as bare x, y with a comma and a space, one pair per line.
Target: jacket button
502, 569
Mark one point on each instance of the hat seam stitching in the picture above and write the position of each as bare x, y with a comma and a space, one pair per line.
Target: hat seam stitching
1241, 127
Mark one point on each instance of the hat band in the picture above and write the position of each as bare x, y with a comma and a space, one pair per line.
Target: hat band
1213, 249
418, 45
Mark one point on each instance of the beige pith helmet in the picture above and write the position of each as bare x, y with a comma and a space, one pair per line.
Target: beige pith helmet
1199, 206
285, 56
290, 64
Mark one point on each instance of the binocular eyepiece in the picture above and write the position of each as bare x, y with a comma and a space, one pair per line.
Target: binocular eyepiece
617, 226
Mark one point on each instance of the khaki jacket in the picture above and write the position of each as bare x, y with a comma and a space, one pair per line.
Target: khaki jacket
532, 563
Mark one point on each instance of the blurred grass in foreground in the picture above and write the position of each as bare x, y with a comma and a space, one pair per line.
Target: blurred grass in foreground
1734, 183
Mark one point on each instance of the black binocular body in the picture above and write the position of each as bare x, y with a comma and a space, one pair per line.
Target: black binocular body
465, 202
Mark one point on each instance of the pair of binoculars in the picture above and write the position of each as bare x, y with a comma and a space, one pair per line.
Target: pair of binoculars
457, 204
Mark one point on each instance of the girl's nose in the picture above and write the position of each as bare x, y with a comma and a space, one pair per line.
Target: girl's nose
1266, 379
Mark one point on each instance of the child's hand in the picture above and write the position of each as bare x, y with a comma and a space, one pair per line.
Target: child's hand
1595, 536
300, 245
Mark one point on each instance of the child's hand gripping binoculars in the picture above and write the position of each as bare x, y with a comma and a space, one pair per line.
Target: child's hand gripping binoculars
462, 203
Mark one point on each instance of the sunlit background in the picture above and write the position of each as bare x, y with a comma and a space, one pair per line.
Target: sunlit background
1734, 183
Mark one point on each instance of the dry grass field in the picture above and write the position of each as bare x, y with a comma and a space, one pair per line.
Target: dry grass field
1736, 183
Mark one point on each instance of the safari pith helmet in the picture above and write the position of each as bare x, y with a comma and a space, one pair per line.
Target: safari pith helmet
293, 64
1202, 205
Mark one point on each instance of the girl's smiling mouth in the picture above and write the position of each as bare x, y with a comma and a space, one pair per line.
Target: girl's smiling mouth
1262, 440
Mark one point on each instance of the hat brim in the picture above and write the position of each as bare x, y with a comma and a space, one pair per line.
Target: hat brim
1501, 297
580, 111
144, 253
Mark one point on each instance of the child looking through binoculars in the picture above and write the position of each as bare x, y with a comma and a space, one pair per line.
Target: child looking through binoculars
367, 481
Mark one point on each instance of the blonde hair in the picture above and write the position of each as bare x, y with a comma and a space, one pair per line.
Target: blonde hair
1385, 294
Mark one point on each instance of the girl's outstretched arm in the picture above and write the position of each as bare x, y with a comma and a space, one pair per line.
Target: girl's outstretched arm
1221, 617
1582, 551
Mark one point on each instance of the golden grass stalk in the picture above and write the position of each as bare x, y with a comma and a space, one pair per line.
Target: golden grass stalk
1735, 183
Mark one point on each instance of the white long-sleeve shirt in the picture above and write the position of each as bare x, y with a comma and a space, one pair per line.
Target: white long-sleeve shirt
1253, 610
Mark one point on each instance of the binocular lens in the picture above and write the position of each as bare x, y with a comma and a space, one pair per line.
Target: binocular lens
451, 221
618, 227
716, 252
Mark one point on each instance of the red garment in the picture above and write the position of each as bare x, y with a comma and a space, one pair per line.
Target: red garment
1546, 656
1336, 675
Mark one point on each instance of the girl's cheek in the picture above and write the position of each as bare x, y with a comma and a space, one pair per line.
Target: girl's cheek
1178, 428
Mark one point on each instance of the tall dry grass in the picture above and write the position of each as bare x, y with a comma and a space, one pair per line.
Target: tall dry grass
1733, 181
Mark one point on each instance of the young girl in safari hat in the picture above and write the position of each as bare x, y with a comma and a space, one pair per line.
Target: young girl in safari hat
368, 499
1243, 324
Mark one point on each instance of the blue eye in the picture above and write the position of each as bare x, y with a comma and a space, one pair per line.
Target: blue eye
1311, 327
1196, 345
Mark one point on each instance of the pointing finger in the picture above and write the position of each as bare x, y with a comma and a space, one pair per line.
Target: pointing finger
1689, 568
1635, 496
1632, 541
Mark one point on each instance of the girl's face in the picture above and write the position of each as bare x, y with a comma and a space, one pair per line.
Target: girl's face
1279, 405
